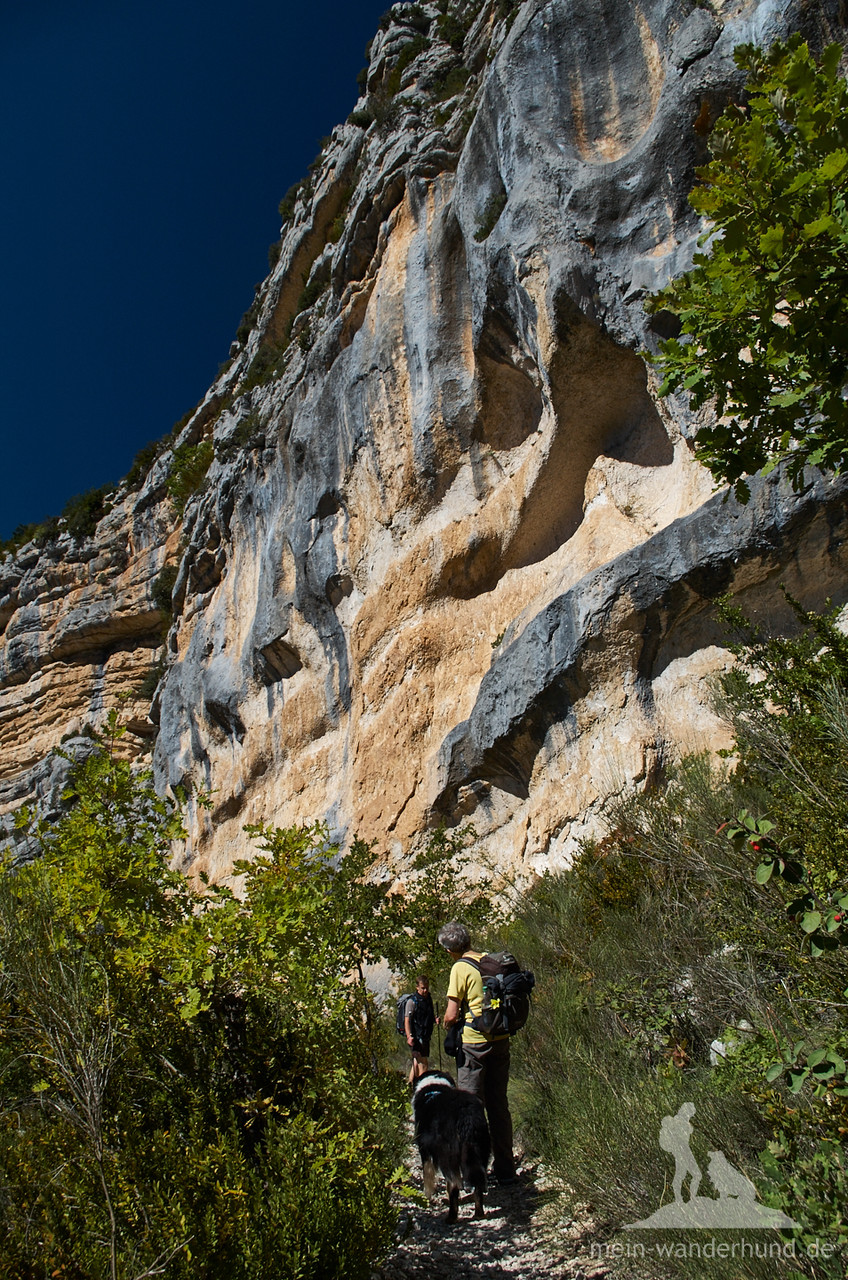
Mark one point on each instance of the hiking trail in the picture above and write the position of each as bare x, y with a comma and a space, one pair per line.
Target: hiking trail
527, 1233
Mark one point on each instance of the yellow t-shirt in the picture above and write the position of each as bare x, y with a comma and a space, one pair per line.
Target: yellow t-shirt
466, 987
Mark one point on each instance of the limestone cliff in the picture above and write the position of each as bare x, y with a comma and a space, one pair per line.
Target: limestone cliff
452, 559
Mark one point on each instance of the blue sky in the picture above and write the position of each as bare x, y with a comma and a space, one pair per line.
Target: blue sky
145, 148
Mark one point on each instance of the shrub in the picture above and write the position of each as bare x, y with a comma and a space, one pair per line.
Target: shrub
362, 118
303, 189
407, 55
247, 433
141, 464
185, 1077
453, 29
40, 533
163, 588
83, 513
148, 684
414, 16
312, 289
248, 320
495, 206
386, 112
265, 364
449, 83
667, 935
188, 471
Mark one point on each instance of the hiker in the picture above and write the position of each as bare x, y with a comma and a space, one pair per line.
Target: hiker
418, 1021
484, 1068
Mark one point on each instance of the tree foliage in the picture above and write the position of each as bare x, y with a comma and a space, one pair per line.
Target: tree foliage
193, 1081
764, 313
187, 1081
699, 952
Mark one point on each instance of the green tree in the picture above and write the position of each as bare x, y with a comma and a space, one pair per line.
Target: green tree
185, 1083
764, 313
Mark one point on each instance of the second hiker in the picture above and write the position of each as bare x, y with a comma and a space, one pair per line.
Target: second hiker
419, 1018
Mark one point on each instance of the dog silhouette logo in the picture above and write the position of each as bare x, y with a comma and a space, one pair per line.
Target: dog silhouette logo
736, 1204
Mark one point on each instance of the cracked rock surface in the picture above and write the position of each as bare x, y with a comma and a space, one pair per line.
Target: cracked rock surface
452, 558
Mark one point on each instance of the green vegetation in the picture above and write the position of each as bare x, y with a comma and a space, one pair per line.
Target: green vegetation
265, 365
248, 320
141, 464
163, 588
362, 118
495, 206
453, 27
148, 684
714, 909
408, 54
192, 1083
247, 433
286, 206
188, 470
39, 532
79, 518
764, 314
82, 513
186, 1076
449, 82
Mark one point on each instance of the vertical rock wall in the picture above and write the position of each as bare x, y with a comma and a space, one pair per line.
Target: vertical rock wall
453, 558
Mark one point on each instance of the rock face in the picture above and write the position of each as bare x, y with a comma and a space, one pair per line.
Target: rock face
452, 559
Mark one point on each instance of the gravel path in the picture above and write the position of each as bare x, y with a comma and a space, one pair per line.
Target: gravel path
526, 1234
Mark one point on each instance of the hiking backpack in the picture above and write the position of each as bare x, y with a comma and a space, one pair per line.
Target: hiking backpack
506, 994
422, 1019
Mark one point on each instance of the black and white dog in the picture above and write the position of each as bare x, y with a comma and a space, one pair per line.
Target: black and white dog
452, 1137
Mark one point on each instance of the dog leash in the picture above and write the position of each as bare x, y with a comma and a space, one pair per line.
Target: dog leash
439, 1035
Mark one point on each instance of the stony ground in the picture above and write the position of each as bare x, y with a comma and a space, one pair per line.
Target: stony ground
527, 1233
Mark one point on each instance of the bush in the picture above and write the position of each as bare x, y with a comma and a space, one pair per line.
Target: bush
362, 118
40, 533
248, 320
495, 206
188, 471
83, 513
453, 29
303, 189
186, 1078
148, 684
141, 464
163, 588
451, 82
414, 16
407, 55
667, 935
265, 365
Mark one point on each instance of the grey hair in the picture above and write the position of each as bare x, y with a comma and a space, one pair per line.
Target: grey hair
454, 937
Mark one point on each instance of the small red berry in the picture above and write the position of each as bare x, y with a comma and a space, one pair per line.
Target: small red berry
755, 847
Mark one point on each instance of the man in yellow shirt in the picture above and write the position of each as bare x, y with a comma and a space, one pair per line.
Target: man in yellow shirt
485, 1067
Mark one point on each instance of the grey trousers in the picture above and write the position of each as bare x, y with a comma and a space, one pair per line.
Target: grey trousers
485, 1072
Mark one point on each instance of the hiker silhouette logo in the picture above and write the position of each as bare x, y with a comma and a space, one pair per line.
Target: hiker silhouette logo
736, 1204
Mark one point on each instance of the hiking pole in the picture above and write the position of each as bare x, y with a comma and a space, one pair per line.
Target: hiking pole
439, 1035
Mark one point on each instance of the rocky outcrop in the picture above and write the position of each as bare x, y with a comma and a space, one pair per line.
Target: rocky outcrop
453, 557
